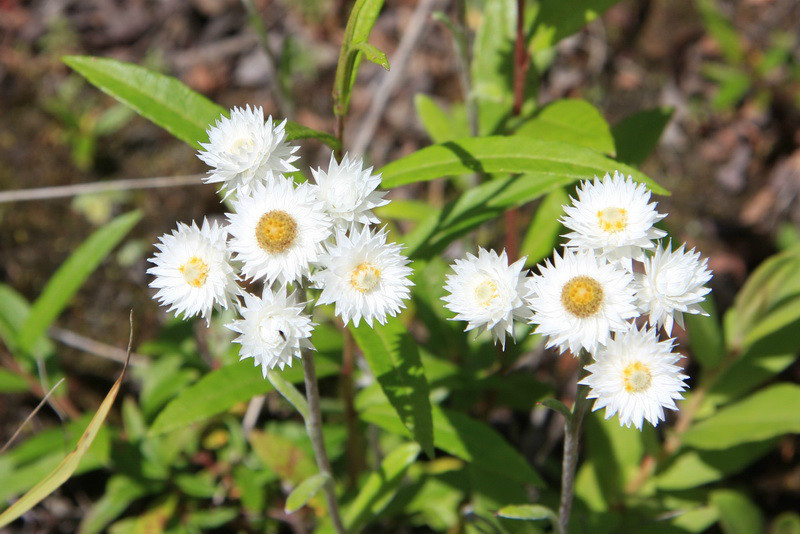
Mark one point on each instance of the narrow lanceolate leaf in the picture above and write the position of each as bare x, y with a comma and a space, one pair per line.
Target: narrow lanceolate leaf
527, 512
165, 100
70, 276
221, 389
571, 121
68, 466
305, 491
768, 413
373, 54
393, 356
506, 154
380, 487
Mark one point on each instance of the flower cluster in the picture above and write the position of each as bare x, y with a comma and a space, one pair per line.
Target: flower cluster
288, 236
613, 269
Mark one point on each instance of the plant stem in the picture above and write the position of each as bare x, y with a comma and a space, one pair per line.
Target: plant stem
314, 430
572, 434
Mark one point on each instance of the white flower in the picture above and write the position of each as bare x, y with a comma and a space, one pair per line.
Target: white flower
348, 191
192, 270
580, 299
278, 230
244, 150
364, 276
673, 283
635, 375
613, 218
273, 329
487, 292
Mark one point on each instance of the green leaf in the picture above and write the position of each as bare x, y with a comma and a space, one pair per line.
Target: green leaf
68, 465
785, 523
11, 382
542, 234
359, 25
462, 437
557, 19
705, 335
223, 388
120, 492
373, 53
165, 100
380, 487
637, 135
539, 159
305, 491
162, 99
393, 356
408, 210
571, 121
289, 392
694, 468
766, 414
491, 71
558, 406
528, 512
737, 513
474, 207
70, 276
767, 302
440, 125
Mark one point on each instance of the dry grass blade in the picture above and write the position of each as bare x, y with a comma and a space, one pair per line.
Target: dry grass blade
67, 466
30, 416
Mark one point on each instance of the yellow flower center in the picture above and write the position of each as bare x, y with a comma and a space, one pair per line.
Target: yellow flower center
485, 293
194, 271
276, 231
365, 277
612, 220
637, 377
582, 296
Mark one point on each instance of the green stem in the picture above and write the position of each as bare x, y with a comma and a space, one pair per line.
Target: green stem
314, 430
572, 434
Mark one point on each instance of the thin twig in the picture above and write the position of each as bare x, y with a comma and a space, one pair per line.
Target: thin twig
572, 436
92, 346
43, 193
314, 429
390, 82
30, 416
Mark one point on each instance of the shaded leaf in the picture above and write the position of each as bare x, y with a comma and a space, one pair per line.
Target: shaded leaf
463, 437
393, 356
380, 487
737, 513
280, 454
637, 135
